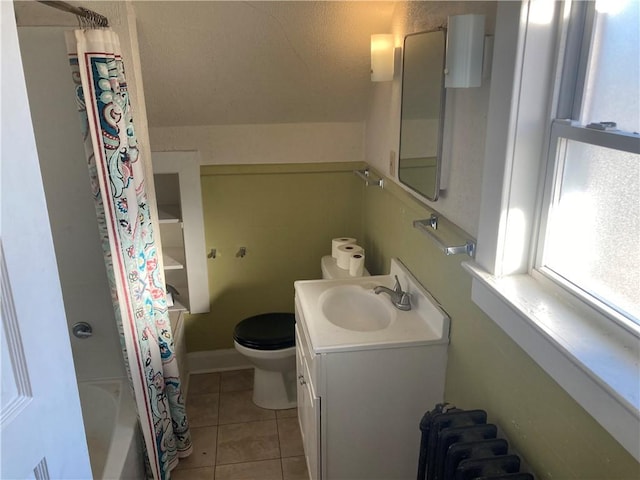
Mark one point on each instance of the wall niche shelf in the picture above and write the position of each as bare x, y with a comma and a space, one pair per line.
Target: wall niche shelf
171, 257
177, 307
169, 214
176, 177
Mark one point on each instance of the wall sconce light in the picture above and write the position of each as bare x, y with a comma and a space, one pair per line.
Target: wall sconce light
465, 46
382, 57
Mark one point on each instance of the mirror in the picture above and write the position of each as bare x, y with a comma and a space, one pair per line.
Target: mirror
422, 114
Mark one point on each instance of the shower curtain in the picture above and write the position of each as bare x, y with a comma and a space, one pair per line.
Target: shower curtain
117, 181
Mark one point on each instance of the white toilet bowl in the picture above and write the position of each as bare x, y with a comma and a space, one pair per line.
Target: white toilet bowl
268, 342
274, 378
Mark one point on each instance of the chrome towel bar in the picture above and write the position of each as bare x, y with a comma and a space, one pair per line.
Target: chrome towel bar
429, 226
368, 178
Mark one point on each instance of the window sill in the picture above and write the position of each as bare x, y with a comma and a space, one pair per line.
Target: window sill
597, 362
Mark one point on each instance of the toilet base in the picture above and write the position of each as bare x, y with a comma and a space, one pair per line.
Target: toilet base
274, 378
274, 390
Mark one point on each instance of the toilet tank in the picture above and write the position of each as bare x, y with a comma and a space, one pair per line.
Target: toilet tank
330, 269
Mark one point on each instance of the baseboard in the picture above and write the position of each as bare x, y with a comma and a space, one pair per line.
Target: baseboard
216, 361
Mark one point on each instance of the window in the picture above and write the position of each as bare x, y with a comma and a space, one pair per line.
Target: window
589, 243
557, 252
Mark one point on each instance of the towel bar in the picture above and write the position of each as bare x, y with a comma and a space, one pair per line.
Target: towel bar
368, 179
430, 225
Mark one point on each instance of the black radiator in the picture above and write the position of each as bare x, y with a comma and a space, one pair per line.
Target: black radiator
460, 445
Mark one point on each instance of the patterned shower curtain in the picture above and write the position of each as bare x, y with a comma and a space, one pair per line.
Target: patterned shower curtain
117, 182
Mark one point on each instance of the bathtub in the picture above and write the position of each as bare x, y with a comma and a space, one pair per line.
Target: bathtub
110, 424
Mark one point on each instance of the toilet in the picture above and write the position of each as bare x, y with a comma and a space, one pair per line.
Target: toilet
268, 342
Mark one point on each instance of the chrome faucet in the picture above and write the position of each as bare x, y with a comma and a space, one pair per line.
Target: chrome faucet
401, 300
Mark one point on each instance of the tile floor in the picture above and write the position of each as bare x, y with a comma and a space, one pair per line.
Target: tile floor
233, 439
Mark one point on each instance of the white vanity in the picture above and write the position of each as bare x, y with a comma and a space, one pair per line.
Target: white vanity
364, 386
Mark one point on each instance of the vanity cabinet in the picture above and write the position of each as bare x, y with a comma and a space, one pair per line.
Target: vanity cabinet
359, 409
178, 196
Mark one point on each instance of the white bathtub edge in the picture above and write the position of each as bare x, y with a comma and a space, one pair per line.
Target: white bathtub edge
124, 460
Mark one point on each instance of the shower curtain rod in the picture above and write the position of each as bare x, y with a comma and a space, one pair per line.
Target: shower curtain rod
94, 18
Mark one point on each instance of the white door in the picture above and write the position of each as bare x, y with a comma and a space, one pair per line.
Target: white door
41, 430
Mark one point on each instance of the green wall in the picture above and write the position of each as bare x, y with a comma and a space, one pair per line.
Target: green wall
486, 369
286, 216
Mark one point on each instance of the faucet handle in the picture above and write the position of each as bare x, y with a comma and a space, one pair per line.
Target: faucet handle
403, 300
397, 287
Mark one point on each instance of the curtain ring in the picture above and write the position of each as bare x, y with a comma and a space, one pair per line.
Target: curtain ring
91, 19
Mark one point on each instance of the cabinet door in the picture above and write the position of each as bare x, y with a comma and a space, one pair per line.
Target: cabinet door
312, 445
302, 392
309, 418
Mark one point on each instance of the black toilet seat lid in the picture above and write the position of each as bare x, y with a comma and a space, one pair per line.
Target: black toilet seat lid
268, 331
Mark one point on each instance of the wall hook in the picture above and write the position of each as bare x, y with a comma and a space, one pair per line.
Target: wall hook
212, 253
242, 251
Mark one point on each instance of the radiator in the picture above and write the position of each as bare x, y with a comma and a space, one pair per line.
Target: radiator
460, 445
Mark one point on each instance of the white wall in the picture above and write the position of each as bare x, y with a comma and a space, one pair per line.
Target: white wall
465, 117
265, 143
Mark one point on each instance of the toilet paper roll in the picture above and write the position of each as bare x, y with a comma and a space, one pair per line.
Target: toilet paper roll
336, 242
344, 254
356, 264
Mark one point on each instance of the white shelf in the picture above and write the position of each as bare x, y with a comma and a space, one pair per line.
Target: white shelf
179, 200
169, 259
169, 214
177, 307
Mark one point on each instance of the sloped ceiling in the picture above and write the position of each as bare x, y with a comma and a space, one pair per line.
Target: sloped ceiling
217, 63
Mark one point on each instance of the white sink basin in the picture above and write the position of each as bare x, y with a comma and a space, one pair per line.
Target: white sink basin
346, 315
354, 308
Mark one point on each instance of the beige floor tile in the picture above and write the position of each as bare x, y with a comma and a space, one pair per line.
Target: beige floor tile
263, 470
247, 442
204, 449
294, 468
289, 437
204, 383
236, 380
289, 412
237, 407
202, 410
204, 473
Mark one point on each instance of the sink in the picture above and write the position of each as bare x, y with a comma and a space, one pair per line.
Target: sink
340, 315
356, 308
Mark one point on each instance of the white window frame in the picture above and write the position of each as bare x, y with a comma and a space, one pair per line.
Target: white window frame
561, 131
594, 359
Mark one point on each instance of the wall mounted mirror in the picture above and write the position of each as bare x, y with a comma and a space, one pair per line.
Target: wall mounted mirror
422, 115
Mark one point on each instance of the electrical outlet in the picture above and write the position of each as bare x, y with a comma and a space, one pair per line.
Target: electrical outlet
392, 163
